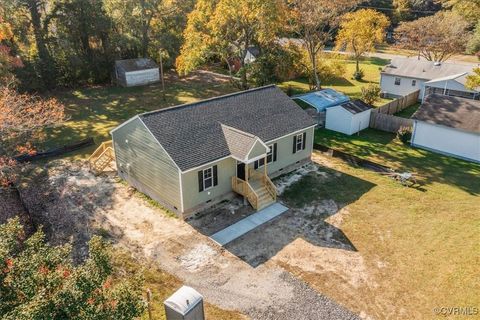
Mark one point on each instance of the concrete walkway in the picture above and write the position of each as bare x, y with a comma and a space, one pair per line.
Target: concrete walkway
251, 222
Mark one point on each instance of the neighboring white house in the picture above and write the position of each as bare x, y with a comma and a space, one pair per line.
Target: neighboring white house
448, 125
349, 117
405, 75
136, 72
251, 55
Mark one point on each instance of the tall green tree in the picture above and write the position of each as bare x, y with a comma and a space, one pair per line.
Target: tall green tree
226, 29
37, 26
81, 42
473, 80
436, 38
38, 281
360, 32
470, 11
315, 22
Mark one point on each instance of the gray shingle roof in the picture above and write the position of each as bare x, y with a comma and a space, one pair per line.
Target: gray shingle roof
136, 64
192, 134
454, 112
239, 143
421, 69
355, 106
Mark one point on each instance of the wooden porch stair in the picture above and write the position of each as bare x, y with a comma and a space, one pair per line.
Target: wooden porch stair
259, 190
102, 157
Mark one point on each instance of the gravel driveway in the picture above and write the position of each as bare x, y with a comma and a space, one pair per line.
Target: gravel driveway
265, 291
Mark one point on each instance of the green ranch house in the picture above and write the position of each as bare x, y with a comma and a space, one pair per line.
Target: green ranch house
192, 156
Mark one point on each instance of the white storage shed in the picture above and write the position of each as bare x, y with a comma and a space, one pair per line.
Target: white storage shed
349, 117
136, 72
448, 125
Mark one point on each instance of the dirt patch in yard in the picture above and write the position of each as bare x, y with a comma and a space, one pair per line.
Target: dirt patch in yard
79, 204
221, 216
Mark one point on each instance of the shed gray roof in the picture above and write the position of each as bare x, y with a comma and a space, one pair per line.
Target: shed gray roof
421, 69
356, 106
192, 134
136, 64
454, 112
254, 51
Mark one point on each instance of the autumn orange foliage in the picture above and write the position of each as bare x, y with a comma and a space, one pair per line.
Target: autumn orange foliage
22, 116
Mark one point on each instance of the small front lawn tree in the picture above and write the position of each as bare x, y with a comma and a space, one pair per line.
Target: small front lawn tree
371, 93
38, 281
360, 32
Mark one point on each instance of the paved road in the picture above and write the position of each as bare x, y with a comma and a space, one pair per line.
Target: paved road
390, 56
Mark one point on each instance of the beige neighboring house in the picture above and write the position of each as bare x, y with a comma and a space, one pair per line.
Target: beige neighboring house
192, 156
406, 75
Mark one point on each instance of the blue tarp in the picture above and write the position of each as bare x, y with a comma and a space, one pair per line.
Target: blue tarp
323, 99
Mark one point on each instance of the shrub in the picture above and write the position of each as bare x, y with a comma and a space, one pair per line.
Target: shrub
371, 93
404, 134
358, 75
40, 281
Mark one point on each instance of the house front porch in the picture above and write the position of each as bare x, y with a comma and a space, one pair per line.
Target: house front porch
254, 185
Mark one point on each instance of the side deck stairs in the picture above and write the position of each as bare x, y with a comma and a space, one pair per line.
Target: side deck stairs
102, 157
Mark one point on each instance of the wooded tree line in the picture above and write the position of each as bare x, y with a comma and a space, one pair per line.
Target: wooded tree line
55, 43
75, 42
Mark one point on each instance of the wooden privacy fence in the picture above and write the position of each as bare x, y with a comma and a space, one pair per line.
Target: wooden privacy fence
389, 123
400, 103
383, 118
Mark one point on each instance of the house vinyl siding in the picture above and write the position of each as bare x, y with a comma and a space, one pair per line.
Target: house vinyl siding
387, 85
258, 150
449, 141
145, 165
285, 156
193, 197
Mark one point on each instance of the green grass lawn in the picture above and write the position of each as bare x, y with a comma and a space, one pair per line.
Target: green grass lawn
418, 247
384, 148
408, 112
346, 84
93, 112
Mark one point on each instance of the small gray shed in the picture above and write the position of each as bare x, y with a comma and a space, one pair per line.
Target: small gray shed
136, 72
185, 304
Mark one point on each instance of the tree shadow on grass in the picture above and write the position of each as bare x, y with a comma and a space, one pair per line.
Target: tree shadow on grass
94, 112
64, 198
385, 149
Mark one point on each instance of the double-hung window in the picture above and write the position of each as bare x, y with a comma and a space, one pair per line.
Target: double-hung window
207, 178
299, 144
397, 81
414, 83
271, 156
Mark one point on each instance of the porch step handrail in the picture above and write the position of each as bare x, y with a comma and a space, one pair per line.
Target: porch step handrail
102, 157
271, 188
266, 181
245, 189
